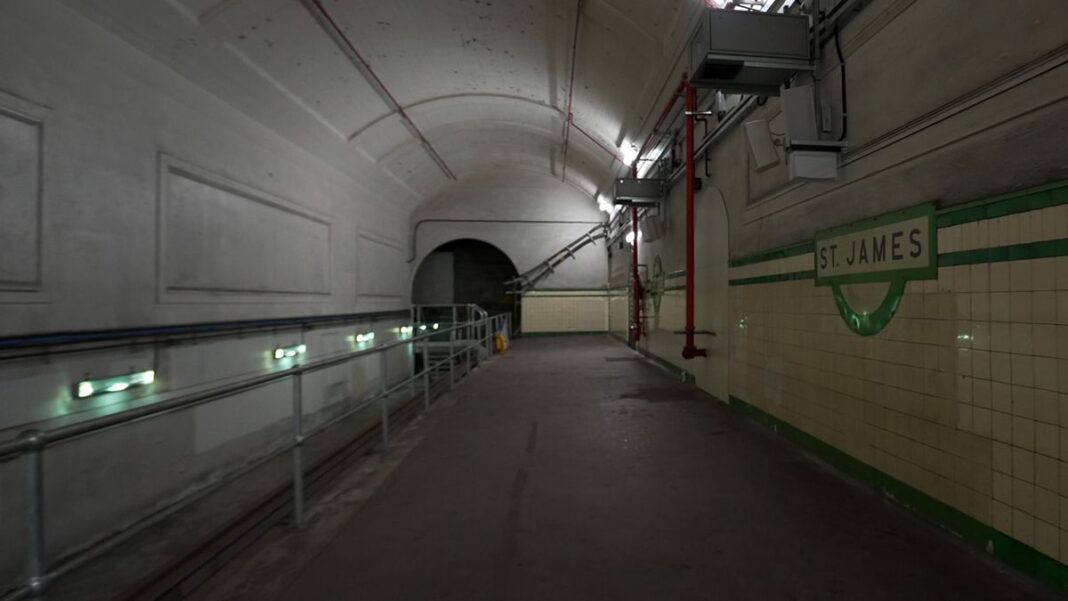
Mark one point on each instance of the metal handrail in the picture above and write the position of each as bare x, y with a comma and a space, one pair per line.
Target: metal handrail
31, 444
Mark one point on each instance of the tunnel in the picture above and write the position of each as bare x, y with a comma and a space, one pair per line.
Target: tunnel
533, 299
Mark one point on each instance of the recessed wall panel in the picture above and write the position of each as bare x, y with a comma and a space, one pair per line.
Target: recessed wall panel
383, 272
20, 202
222, 240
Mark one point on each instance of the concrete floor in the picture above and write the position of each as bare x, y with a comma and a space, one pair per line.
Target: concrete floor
571, 469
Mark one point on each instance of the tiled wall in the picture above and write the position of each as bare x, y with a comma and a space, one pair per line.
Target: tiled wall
964, 396
565, 311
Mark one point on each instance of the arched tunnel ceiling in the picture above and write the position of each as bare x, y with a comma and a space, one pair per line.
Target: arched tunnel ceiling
486, 83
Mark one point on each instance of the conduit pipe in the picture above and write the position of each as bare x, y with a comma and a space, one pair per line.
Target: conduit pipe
690, 350
636, 331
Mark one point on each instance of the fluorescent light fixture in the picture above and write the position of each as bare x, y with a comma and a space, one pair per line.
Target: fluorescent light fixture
88, 388
630, 152
366, 337
630, 237
288, 352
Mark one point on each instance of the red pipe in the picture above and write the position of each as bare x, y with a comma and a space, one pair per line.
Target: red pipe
690, 350
637, 331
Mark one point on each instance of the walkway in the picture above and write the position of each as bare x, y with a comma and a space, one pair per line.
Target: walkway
571, 469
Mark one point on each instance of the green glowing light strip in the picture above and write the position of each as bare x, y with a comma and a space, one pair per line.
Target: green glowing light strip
90, 388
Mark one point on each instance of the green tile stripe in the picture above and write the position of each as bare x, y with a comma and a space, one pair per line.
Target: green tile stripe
775, 254
1015, 252
771, 279
1009, 204
1013, 552
1051, 195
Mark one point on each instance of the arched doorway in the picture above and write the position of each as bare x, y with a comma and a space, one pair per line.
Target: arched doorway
467, 271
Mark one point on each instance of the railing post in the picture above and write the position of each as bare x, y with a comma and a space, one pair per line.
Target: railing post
426, 374
467, 345
35, 527
298, 449
452, 351
382, 400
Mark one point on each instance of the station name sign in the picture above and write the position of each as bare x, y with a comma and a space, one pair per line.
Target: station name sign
898, 246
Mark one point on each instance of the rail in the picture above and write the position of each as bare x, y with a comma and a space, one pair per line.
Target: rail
477, 332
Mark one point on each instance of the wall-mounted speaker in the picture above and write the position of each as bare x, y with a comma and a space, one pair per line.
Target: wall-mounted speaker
761, 144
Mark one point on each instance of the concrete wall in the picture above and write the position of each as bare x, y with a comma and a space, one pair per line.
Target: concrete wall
129, 197
543, 216
955, 399
132, 197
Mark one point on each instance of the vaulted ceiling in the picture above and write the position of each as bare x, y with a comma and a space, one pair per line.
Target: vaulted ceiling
412, 95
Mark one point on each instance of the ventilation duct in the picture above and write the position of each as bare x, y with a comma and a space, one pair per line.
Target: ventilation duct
748, 52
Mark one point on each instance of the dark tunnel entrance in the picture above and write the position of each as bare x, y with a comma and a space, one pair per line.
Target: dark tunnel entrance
467, 271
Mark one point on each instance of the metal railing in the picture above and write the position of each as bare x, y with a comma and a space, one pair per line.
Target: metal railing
473, 334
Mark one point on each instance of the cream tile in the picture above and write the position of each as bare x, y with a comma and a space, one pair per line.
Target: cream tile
969, 235
1023, 466
981, 421
1023, 370
965, 417
982, 234
1046, 373
980, 306
1001, 306
1047, 439
1047, 538
1023, 437
963, 305
1023, 402
1023, 527
1023, 341
999, 277
1045, 340
1001, 487
1000, 337
1047, 473
1001, 397
1044, 307
1021, 307
1002, 430
1047, 407
1001, 367
1001, 457
1062, 307
1047, 505
1060, 267
1044, 274
980, 277
981, 336
1062, 342
1001, 516
981, 392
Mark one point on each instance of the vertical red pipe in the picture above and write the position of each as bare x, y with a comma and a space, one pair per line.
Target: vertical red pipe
637, 278
690, 350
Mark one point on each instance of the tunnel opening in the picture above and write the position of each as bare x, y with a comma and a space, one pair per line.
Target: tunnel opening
467, 271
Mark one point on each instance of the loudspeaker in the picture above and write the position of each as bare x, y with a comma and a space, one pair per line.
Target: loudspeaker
761, 144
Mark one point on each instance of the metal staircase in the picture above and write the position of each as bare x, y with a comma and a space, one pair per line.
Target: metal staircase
528, 279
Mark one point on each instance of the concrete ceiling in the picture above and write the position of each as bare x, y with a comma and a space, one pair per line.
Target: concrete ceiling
411, 95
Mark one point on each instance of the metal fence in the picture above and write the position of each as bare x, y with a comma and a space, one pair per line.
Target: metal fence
459, 331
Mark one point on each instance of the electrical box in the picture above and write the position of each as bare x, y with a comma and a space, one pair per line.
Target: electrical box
639, 191
652, 228
748, 52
